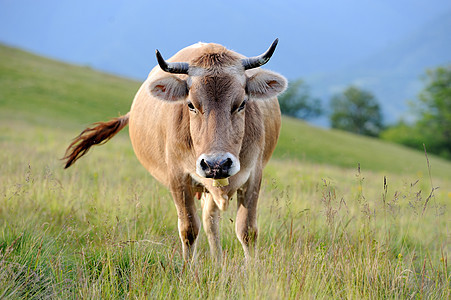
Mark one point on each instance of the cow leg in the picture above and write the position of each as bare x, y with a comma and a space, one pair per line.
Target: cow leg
246, 218
188, 220
210, 218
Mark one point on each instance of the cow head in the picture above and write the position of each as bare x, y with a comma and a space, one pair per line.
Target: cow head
216, 90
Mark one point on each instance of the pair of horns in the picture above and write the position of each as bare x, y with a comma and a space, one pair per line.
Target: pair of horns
248, 63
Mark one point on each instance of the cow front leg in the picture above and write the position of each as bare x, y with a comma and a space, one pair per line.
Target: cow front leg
210, 218
188, 221
246, 217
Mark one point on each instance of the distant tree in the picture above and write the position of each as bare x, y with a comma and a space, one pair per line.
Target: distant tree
434, 110
357, 111
296, 101
433, 116
404, 133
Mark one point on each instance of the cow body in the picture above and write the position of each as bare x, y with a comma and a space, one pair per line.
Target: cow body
216, 120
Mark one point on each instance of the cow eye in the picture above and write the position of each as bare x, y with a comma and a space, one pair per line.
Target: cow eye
241, 107
191, 107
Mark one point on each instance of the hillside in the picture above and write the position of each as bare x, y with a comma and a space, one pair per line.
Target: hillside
36, 91
48, 92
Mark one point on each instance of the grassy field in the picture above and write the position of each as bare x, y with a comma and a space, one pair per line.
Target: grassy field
106, 229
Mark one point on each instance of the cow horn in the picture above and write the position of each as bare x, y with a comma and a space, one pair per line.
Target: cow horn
176, 67
258, 61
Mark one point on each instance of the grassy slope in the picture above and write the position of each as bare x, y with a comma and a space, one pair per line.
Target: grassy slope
108, 230
51, 93
333, 147
64, 96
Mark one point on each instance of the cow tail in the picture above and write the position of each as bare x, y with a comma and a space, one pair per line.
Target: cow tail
99, 134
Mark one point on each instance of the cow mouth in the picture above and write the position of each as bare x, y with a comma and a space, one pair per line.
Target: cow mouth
217, 177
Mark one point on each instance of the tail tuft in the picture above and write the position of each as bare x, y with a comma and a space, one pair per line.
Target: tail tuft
101, 133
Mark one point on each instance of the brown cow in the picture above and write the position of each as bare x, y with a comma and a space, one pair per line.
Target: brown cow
208, 114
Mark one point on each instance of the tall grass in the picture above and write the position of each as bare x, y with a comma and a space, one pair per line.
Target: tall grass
106, 229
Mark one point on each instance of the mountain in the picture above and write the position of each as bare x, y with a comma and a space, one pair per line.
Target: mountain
393, 75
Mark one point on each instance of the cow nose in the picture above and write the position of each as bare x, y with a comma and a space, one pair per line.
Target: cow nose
217, 166
216, 169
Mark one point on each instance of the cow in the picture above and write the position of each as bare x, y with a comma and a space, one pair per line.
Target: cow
205, 122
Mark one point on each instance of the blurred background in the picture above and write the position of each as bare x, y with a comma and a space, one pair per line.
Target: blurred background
353, 64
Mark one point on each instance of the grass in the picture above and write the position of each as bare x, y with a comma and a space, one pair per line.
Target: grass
106, 229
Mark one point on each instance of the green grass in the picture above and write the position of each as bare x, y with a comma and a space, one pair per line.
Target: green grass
106, 229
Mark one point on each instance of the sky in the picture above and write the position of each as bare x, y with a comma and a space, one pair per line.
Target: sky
120, 37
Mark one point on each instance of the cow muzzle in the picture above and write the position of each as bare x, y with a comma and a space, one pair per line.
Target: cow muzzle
217, 166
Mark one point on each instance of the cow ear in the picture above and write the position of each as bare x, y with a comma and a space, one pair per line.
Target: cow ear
170, 88
265, 84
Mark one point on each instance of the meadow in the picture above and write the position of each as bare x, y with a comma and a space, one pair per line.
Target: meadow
340, 216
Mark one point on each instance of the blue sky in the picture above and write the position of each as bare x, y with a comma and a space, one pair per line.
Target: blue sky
120, 36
